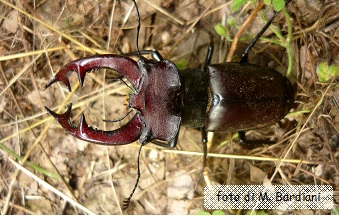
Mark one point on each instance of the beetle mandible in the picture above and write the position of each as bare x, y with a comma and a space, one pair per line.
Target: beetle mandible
223, 97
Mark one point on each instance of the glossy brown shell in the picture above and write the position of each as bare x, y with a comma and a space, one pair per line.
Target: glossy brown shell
246, 96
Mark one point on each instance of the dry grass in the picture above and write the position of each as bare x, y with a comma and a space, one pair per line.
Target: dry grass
75, 177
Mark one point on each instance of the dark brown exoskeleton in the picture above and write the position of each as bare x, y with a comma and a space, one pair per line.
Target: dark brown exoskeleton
218, 98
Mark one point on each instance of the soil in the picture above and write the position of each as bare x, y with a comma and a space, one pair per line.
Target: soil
39, 37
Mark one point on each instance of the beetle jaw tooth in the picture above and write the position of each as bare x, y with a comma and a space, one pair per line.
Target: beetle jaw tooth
61, 118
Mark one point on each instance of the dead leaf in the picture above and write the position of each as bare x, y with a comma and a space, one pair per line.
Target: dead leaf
181, 186
256, 174
11, 24
178, 207
319, 170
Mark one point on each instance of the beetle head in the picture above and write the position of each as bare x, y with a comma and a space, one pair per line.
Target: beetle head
156, 88
156, 99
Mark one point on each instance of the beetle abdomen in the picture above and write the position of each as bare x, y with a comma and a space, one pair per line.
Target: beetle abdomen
246, 96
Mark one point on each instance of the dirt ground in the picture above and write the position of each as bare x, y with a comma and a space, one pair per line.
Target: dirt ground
64, 175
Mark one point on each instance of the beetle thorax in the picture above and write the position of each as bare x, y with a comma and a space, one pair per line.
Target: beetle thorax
156, 98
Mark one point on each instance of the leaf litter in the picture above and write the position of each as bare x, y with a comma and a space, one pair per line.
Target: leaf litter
100, 177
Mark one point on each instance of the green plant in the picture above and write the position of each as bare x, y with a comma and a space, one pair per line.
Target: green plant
278, 5
215, 212
325, 72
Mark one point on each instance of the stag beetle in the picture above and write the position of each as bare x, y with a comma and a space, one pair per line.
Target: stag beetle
224, 97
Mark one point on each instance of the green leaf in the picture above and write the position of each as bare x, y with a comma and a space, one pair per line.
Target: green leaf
203, 213
220, 30
262, 212
30, 164
218, 212
256, 212
267, 2
335, 210
181, 64
231, 22
251, 212
326, 73
236, 4
278, 5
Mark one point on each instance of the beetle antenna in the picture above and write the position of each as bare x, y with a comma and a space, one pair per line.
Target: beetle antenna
138, 27
119, 119
129, 87
127, 200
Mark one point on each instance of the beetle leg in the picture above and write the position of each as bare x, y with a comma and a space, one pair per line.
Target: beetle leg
244, 56
252, 143
205, 153
155, 54
210, 51
129, 133
241, 136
